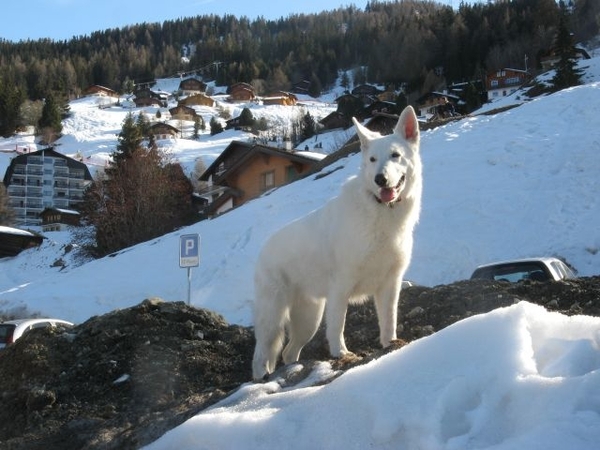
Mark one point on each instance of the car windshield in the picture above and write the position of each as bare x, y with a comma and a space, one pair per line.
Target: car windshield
6, 331
512, 272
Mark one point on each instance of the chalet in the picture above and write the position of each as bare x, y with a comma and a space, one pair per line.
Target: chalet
234, 123
428, 104
387, 96
147, 97
182, 112
280, 98
366, 92
42, 179
379, 106
100, 91
335, 120
57, 219
504, 82
191, 86
549, 60
198, 100
241, 92
350, 105
245, 170
14, 240
164, 131
302, 87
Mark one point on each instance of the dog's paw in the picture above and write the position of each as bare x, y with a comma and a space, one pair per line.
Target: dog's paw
348, 358
395, 344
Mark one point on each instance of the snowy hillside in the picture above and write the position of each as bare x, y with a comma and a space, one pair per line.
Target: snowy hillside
520, 183
515, 184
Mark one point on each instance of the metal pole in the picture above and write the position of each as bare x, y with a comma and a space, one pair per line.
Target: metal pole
189, 285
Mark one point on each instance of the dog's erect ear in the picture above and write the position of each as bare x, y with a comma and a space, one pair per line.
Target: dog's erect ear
408, 125
364, 134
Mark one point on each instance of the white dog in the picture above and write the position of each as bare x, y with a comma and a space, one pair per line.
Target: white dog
357, 245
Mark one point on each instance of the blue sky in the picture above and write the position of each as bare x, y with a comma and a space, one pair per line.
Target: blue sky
63, 19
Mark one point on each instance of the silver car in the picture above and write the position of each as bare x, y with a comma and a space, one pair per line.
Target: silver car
12, 330
535, 269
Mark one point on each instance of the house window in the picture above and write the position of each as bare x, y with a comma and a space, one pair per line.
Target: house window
291, 174
267, 180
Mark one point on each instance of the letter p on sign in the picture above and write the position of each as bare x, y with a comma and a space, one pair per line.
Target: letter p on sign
189, 250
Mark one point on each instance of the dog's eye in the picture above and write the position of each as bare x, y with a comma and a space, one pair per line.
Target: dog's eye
372, 159
396, 155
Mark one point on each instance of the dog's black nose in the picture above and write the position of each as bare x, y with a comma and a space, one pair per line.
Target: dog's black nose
380, 180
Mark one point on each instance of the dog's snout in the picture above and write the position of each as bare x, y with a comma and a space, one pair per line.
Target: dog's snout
381, 180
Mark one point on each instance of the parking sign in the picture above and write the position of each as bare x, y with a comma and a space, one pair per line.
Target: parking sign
189, 250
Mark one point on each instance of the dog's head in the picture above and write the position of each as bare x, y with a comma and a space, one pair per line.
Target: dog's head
391, 164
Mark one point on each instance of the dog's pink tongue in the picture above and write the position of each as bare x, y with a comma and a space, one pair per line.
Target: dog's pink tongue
387, 195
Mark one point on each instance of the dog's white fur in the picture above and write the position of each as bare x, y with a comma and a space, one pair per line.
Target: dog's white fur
357, 245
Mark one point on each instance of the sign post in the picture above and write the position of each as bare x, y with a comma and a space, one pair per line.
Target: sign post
189, 256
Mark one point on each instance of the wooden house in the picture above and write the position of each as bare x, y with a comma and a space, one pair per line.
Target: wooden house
14, 240
335, 120
147, 97
366, 92
379, 106
182, 112
245, 170
100, 91
198, 100
241, 92
164, 131
504, 82
280, 98
191, 86
429, 104
302, 87
57, 219
350, 105
551, 57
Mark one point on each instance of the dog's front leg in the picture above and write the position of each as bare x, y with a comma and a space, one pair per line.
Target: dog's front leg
335, 315
386, 304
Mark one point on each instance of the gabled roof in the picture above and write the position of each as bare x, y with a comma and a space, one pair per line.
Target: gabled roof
15, 240
238, 153
22, 159
161, 126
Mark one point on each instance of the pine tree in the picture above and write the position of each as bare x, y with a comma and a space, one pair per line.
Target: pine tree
567, 74
11, 98
215, 126
308, 127
246, 118
129, 140
6, 212
51, 114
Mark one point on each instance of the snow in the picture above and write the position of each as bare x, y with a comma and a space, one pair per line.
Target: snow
510, 185
517, 378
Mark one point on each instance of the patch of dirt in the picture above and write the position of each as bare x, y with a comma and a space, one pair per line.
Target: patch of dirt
121, 380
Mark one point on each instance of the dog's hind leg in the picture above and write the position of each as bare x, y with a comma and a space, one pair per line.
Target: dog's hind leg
305, 318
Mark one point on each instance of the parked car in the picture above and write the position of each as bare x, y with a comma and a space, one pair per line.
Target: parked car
12, 330
535, 269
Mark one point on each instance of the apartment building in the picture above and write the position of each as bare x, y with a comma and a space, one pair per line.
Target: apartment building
44, 179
